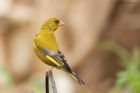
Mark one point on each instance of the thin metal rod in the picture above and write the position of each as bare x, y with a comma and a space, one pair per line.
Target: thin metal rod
50, 74
47, 83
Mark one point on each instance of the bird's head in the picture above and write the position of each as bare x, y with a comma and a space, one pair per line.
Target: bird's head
52, 24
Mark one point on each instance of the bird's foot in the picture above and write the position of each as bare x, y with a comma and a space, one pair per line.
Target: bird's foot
46, 73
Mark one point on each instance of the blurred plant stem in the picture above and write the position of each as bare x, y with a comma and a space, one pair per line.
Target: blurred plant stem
118, 50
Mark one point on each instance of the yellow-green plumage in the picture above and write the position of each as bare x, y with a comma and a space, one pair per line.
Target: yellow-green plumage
46, 48
47, 40
46, 37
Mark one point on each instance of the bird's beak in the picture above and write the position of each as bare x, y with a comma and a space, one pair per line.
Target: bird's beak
61, 23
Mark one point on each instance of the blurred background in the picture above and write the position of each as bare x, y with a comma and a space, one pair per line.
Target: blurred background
100, 39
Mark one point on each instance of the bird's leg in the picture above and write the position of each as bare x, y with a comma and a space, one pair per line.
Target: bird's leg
50, 69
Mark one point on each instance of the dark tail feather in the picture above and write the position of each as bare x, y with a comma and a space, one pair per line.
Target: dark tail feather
79, 80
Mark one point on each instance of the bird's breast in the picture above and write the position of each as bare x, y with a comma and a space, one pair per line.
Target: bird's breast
47, 41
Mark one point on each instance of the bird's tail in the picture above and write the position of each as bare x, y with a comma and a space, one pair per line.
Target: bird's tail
76, 77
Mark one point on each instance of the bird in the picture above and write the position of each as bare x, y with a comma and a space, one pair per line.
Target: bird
47, 50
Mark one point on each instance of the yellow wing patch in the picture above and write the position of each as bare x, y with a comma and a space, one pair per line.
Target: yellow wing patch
52, 60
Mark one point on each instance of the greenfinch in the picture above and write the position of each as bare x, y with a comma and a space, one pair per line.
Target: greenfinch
46, 48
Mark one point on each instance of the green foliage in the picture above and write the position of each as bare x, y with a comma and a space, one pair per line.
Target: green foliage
130, 76
6, 79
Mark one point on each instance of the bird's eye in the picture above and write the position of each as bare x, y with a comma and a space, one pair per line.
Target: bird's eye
57, 21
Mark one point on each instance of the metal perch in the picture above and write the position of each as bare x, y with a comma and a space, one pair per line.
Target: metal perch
49, 75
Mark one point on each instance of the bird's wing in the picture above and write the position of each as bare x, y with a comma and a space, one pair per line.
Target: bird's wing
60, 61
57, 58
